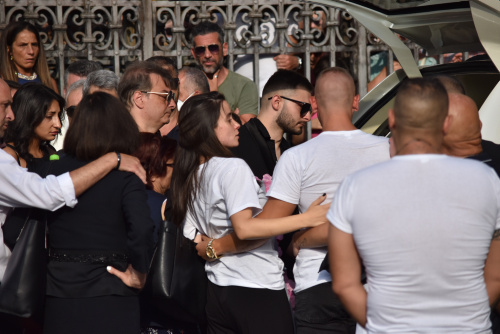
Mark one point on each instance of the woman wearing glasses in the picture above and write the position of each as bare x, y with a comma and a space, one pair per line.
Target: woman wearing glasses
216, 195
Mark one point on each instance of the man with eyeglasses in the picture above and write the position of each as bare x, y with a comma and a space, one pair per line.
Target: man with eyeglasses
209, 50
145, 88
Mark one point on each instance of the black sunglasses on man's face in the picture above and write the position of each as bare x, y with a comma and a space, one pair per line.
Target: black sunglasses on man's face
304, 106
213, 48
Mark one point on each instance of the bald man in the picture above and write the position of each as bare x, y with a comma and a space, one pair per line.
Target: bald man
426, 226
305, 172
463, 138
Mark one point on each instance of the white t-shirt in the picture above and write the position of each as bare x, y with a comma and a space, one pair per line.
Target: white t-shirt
315, 167
422, 225
228, 187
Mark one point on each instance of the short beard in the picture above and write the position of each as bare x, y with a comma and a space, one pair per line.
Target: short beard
211, 70
285, 122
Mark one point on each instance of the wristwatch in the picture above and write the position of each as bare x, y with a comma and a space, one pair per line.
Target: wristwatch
211, 251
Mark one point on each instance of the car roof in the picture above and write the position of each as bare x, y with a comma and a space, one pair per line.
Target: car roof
438, 26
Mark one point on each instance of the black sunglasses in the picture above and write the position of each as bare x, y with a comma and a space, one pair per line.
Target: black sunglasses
304, 106
213, 48
70, 111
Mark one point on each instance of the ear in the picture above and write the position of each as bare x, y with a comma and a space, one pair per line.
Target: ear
480, 125
314, 104
138, 99
224, 49
275, 103
391, 120
192, 52
355, 103
447, 122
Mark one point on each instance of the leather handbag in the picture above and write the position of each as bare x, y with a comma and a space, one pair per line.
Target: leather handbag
177, 282
22, 292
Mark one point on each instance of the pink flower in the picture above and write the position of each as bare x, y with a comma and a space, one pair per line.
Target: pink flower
267, 181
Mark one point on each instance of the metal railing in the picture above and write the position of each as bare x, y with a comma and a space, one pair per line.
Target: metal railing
116, 32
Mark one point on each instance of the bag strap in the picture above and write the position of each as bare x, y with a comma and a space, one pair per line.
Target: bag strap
15, 151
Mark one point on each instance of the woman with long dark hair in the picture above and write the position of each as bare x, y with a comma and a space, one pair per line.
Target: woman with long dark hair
216, 194
100, 250
37, 110
22, 57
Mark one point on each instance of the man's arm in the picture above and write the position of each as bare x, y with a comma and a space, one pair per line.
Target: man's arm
345, 267
310, 238
88, 175
231, 244
492, 270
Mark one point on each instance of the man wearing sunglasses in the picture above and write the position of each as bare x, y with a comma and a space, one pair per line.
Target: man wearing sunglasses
145, 88
286, 108
209, 50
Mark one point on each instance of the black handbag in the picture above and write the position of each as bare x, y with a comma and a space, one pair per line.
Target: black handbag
22, 292
177, 282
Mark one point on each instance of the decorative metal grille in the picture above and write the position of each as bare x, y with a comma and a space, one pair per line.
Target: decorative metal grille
116, 32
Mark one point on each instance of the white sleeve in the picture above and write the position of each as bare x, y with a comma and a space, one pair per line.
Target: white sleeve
287, 178
189, 228
340, 212
22, 188
240, 189
495, 181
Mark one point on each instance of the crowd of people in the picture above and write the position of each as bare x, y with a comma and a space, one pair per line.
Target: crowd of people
345, 233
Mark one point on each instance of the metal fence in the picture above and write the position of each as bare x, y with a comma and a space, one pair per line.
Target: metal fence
116, 32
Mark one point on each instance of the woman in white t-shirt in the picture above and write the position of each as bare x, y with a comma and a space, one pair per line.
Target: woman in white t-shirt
215, 194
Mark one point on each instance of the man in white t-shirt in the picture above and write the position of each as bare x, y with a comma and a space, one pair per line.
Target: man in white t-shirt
424, 225
305, 172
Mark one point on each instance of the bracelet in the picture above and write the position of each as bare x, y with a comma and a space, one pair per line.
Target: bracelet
118, 155
300, 62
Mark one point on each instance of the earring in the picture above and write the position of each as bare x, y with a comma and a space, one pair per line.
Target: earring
11, 57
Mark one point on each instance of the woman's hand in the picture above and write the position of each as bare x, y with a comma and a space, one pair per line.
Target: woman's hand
130, 277
201, 247
316, 213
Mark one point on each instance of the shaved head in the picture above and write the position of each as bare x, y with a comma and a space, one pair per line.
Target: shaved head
421, 104
465, 127
451, 84
335, 86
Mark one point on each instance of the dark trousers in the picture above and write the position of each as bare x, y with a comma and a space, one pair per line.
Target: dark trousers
239, 310
96, 315
319, 310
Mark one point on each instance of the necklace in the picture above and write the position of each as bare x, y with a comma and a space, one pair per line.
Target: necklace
27, 77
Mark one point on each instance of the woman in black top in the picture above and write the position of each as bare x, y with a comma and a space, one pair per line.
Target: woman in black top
99, 250
37, 111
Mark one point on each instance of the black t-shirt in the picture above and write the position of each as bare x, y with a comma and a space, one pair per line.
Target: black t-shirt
490, 155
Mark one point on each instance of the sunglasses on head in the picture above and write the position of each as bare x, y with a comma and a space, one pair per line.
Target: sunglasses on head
167, 97
304, 106
213, 48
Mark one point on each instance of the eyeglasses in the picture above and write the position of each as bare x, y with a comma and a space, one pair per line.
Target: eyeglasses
213, 48
70, 111
304, 106
167, 97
